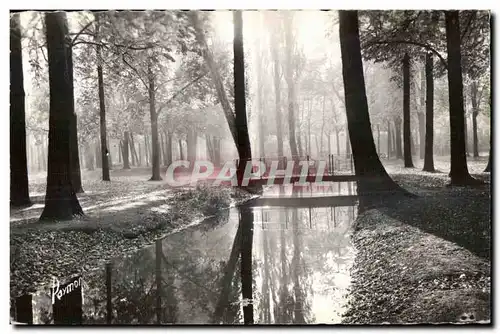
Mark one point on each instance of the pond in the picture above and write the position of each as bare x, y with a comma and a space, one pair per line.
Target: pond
250, 264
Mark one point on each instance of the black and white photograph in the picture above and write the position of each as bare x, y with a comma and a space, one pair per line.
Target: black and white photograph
216, 167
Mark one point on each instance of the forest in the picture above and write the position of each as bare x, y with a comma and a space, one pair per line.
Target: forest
103, 102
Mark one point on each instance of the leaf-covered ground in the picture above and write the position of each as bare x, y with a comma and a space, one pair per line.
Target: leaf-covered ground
424, 259
120, 216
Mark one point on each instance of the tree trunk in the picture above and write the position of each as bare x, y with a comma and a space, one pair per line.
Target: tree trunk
155, 158
291, 86
366, 161
163, 153
459, 172
126, 164
181, 155
19, 190
146, 149
102, 108
216, 145
389, 137
191, 141
277, 93
243, 140
216, 78
397, 126
406, 112
168, 148
421, 115
76, 175
120, 149
90, 156
329, 143
137, 161
61, 202
140, 154
337, 140
322, 127
309, 129
475, 112
429, 114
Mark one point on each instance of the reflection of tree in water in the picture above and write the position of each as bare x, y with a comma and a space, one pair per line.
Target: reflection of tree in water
304, 257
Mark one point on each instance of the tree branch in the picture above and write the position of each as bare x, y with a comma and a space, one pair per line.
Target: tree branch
81, 31
180, 91
422, 45
135, 70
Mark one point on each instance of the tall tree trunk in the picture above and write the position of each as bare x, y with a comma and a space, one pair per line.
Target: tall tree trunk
191, 141
329, 134
277, 92
488, 166
243, 140
389, 137
475, 112
90, 156
181, 155
337, 140
406, 112
163, 153
140, 154
102, 113
309, 129
217, 151
19, 190
168, 148
134, 152
120, 149
155, 158
459, 172
216, 78
421, 115
126, 164
61, 202
322, 127
291, 85
366, 161
76, 175
397, 126
429, 114
147, 153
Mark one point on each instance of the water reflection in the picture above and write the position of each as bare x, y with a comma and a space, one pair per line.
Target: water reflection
248, 265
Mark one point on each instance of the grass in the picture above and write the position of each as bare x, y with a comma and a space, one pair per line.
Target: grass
426, 259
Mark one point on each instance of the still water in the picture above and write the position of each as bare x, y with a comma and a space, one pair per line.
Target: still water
262, 265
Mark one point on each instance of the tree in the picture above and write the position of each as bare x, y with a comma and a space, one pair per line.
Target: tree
243, 140
289, 77
19, 191
274, 45
76, 178
373, 176
459, 172
102, 108
61, 202
429, 114
406, 111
